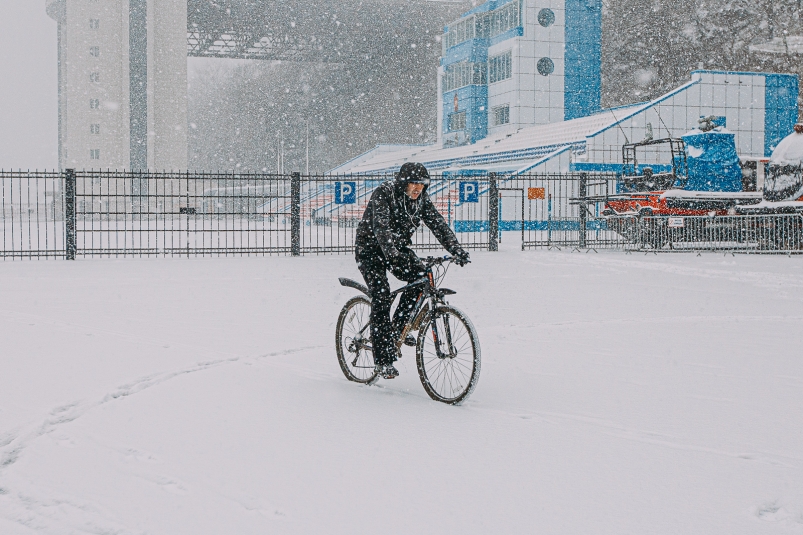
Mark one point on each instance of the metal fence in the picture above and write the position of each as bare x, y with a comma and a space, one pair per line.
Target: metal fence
111, 213
32, 214
778, 233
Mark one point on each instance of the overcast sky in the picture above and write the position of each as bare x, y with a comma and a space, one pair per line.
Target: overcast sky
28, 86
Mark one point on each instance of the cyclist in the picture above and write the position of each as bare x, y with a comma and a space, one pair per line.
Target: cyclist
384, 237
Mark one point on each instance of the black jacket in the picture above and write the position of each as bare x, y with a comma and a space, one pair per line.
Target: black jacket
391, 218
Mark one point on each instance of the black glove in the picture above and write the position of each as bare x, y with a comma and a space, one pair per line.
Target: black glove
461, 257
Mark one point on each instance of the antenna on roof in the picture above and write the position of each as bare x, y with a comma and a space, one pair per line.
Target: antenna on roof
620, 126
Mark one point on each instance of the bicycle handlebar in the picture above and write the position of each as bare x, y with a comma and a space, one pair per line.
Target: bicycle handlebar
432, 260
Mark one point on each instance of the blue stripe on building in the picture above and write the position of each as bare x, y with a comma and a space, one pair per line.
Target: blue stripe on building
582, 56
780, 109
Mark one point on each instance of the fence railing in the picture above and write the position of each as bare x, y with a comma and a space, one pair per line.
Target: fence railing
32, 214
111, 213
776, 233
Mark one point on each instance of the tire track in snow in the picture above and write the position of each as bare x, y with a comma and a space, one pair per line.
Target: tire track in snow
13, 443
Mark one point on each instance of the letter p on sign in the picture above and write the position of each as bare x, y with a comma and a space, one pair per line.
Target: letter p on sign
469, 192
345, 192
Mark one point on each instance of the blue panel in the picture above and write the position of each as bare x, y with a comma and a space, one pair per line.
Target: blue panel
474, 50
550, 224
591, 167
780, 103
713, 162
583, 58
510, 34
472, 99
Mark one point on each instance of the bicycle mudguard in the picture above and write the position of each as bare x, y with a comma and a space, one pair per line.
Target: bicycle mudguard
354, 284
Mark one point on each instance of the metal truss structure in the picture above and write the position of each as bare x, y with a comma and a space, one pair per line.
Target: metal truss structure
323, 31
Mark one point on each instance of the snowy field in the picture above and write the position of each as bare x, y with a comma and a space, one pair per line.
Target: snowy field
620, 394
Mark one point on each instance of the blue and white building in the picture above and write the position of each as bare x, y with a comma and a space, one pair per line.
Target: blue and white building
519, 91
509, 64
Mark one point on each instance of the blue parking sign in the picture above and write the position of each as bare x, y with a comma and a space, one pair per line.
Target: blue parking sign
345, 192
469, 192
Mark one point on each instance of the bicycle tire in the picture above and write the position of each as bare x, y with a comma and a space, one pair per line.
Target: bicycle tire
359, 369
451, 379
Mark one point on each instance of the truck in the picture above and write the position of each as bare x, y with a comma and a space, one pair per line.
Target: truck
706, 193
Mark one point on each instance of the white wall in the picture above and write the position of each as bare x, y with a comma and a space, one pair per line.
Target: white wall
167, 84
737, 97
533, 98
77, 88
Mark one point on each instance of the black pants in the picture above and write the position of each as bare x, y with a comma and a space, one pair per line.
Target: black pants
384, 332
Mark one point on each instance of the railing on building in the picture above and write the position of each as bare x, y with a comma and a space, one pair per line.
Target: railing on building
110, 213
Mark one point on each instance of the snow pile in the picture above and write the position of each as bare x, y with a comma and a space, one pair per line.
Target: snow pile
785, 181
620, 394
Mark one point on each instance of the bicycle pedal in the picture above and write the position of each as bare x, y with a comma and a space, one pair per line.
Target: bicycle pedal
409, 340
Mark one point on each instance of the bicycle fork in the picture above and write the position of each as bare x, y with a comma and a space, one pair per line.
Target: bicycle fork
445, 339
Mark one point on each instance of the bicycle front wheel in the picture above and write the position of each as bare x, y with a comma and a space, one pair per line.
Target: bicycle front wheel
353, 341
448, 355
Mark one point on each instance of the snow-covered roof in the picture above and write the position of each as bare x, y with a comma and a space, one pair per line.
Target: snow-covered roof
510, 151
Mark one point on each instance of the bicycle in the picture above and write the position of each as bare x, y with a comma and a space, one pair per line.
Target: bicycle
447, 347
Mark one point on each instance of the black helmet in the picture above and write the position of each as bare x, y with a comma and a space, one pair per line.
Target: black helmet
413, 173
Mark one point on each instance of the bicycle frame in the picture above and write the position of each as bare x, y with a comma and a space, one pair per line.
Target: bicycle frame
427, 302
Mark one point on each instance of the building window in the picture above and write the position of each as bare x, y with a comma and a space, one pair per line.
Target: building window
94, 154
94, 77
459, 32
500, 67
457, 121
501, 114
94, 51
94, 24
484, 25
94, 129
94, 104
463, 74
545, 66
505, 18
546, 17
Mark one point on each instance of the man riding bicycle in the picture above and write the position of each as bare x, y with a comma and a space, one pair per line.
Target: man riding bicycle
383, 243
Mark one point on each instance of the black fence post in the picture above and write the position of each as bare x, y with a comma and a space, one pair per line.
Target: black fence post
295, 214
69, 214
493, 213
583, 213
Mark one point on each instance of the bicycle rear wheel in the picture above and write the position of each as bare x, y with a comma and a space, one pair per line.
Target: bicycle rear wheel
448, 355
353, 341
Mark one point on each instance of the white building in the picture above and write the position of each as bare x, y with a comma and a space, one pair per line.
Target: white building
519, 91
507, 64
122, 83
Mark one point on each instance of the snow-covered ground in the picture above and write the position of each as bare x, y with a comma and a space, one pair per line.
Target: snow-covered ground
620, 394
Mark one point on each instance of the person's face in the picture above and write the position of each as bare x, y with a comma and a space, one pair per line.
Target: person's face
414, 190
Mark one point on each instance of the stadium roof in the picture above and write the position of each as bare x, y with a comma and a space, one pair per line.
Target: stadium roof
510, 151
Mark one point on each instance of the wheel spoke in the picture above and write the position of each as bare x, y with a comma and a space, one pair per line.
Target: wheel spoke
354, 320
451, 378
